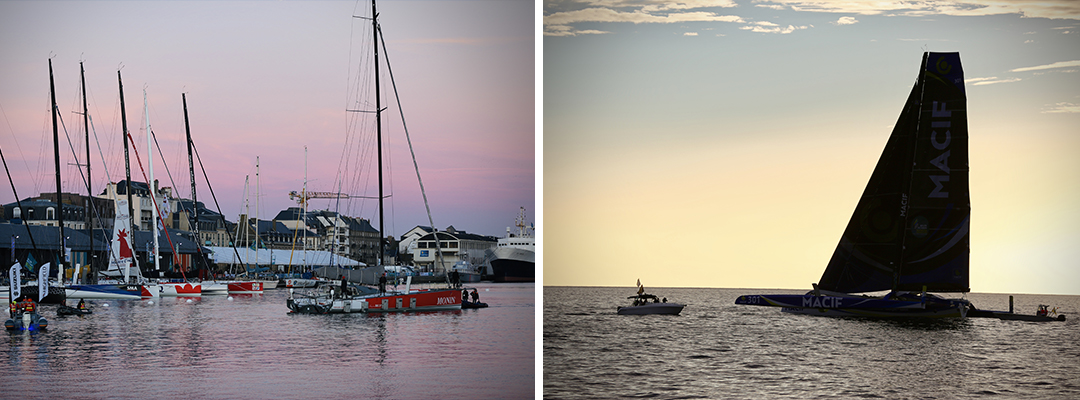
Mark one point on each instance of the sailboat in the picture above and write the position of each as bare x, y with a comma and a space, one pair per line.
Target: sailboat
361, 299
121, 253
909, 232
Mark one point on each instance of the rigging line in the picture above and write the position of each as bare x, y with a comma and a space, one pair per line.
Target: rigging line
17, 201
167, 172
214, 196
153, 198
15, 138
108, 176
386, 55
86, 183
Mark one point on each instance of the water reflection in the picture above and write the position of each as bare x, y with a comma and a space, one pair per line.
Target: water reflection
251, 347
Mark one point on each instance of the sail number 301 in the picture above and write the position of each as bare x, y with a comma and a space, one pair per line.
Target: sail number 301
749, 300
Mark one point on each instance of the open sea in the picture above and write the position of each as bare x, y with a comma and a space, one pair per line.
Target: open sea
248, 347
717, 350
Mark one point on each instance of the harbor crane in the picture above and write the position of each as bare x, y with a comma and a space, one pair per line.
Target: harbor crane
303, 196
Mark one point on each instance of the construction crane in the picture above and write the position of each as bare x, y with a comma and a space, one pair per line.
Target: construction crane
303, 196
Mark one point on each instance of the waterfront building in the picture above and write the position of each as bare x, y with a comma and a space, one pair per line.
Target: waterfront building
456, 246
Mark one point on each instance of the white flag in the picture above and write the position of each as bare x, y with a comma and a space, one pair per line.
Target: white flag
16, 281
43, 282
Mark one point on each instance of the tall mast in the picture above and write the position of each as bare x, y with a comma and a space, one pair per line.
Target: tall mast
194, 198
378, 129
89, 190
127, 171
127, 159
256, 212
153, 183
56, 157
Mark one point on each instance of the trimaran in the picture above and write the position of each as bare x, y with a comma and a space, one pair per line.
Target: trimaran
909, 232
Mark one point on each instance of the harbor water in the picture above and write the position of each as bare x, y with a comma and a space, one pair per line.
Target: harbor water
248, 347
716, 349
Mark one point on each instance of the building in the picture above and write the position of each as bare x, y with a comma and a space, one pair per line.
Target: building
455, 245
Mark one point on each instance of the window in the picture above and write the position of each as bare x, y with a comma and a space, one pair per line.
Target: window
50, 213
16, 213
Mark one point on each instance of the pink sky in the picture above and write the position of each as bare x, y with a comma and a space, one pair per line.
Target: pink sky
267, 79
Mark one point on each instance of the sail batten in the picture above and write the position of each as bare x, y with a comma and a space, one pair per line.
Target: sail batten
910, 227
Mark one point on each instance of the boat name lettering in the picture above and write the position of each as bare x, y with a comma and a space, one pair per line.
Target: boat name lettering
821, 302
446, 300
942, 161
903, 204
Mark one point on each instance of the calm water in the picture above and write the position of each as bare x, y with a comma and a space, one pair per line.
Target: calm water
250, 348
716, 349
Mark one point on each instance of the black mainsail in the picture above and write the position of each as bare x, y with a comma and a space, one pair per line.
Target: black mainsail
910, 228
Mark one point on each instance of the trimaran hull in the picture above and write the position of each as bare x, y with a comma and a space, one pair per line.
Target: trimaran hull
414, 300
860, 306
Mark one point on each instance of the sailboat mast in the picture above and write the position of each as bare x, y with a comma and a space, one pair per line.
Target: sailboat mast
89, 190
257, 212
56, 157
127, 171
127, 159
378, 129
153, 183
921, 88
191, 169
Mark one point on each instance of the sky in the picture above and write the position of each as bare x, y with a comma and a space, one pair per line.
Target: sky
269, 79
725, 143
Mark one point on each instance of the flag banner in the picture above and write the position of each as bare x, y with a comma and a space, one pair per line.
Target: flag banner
30, 262
43, 282
15, 277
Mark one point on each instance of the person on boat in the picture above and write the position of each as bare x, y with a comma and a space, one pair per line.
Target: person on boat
475, 296
14, 308
344, 286
382, 283
82, 304
665, 300
464, 295
29, 305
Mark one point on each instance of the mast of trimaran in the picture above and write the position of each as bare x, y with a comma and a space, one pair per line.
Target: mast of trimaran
151, 183
194, 198
89, 190
378, 139
378, 130
127, 171
56, 157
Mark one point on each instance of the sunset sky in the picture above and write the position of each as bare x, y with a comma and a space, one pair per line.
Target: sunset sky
718, 143
265, 79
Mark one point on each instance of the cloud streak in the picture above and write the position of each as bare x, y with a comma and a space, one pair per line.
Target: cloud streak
559, 24
1069, 108
1056, 9
1059, 64
990, 81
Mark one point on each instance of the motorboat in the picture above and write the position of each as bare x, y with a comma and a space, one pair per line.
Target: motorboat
649, 304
